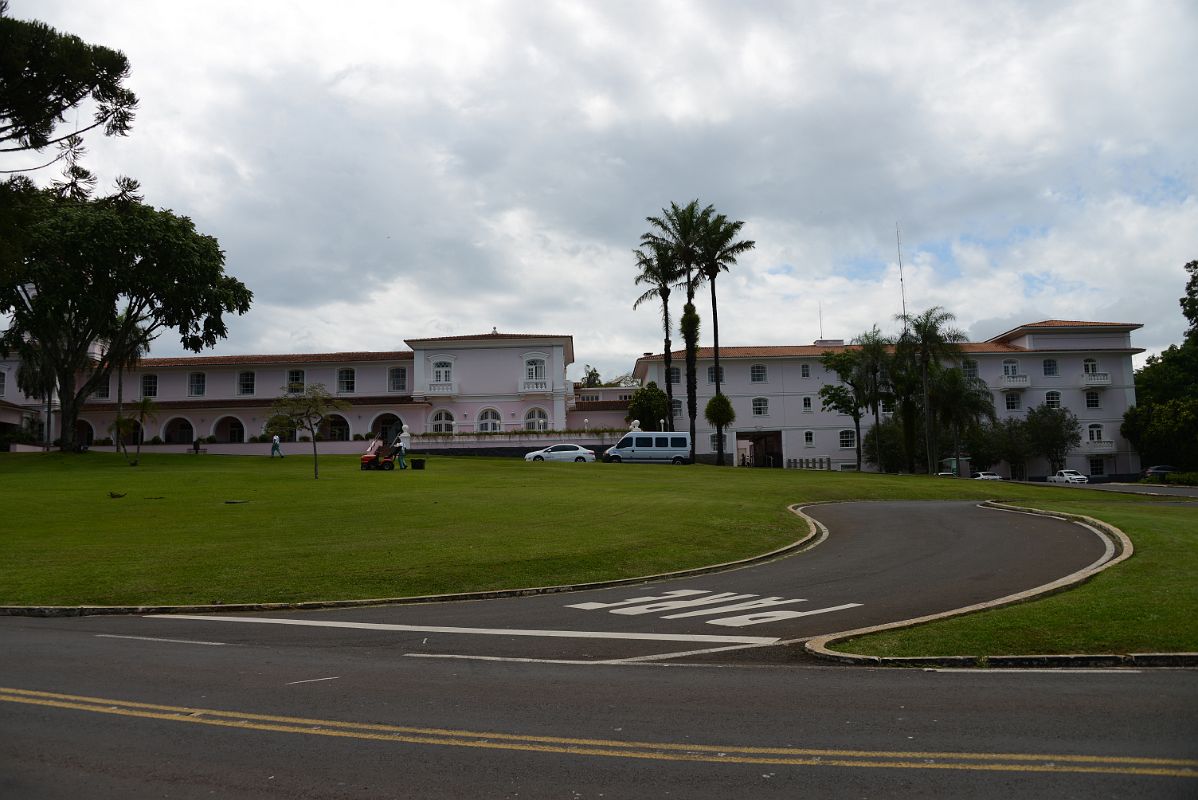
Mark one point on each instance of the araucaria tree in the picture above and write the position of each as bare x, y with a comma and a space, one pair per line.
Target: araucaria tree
110, 270
305, 410
679, 230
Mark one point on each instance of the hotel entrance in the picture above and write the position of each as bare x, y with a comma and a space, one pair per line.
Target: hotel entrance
759, 449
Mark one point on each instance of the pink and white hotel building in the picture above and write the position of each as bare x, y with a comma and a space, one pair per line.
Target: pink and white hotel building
500, 391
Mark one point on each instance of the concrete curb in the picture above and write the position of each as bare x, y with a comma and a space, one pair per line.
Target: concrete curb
1119, 549
816, 533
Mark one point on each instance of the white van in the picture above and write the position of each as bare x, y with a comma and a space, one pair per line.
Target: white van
654, 447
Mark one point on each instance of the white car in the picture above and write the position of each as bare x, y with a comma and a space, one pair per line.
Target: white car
986, 476
1068, 476
561, 452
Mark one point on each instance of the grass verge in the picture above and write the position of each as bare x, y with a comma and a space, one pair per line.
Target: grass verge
171, 536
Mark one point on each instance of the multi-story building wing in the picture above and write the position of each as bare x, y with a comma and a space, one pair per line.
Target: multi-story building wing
1083, 366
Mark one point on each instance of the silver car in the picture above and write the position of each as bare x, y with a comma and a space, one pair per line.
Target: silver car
561, 452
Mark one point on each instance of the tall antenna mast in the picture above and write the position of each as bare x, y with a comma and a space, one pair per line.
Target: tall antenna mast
821, 319
898, 236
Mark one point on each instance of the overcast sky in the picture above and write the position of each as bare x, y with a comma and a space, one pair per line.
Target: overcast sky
383, 171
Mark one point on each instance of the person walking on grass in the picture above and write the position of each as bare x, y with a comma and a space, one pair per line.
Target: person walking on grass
274, 447
405, 441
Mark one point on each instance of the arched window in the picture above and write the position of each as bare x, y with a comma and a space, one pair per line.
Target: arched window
536, 420
1052, 399
848, 438
443, 422
338, 429
1010, 367
442, 372
1090, 366
534, 369
1094, 432
489, 421
757, 373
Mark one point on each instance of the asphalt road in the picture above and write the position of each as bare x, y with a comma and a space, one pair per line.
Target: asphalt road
521, 698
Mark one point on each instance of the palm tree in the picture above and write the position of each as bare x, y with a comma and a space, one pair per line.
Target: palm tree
960, 402
874, 365
717, 251
680, 230
128, 344
931, 341
658, 270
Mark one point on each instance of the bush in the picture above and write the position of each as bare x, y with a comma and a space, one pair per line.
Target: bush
155, 440
1180, 479
105, 442
359, 437
210, 440
305, 438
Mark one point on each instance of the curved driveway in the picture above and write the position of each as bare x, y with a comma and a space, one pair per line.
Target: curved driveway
882, 562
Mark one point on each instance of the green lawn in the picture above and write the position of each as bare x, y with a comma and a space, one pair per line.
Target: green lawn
472, 523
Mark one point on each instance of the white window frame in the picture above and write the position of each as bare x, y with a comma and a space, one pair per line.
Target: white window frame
197, 384
151, 380
711, 374
1052, 399
294, 386
242, 383
761, 406
1012, 401
808, 406
488, 423
674, 376
1010, 368
102, 392
969, 368
394, 385
808, 438
535, 369
443, 421
759, 373
676, 407
804, 370
1051, 368
1093, 399
536, 419
1090, 366
849, 435
443, 371
1092, 429
3, 382
347, 380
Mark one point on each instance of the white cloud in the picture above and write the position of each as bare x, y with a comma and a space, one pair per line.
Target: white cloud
446, 168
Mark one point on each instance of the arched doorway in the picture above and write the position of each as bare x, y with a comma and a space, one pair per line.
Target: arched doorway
229, 429
335, 428
84, 434
178, 431
388, 426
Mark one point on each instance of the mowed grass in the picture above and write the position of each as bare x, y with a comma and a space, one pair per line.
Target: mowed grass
467, 524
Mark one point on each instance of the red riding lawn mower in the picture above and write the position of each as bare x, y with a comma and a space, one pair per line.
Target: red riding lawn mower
374, 458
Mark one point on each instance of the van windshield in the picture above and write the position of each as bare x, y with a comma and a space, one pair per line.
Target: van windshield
625, 442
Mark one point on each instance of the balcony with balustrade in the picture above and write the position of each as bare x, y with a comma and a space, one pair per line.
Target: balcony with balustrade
1098, 446
536, 386
1010, 383
443, 388
1096, 380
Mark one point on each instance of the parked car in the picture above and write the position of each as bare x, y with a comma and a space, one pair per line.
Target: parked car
653, 447
986, 476
561, 452
1068, 476
1159, 471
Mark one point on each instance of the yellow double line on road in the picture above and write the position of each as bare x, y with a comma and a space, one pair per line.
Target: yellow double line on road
660, 751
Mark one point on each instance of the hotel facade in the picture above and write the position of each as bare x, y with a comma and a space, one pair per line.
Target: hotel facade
502, 392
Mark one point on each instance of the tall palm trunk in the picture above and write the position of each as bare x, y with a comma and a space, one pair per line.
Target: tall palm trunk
715, 335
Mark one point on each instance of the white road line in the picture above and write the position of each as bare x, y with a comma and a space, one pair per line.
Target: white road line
158, 639
461, 657
314, 680
375, 626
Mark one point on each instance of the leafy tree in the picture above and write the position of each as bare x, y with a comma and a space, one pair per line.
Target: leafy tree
718, 249
659, 272
903, 384
44, 74
1167, 433
883, 445
960, 403
1014, 445
930, 341
719, 414
1053, 433
875, 363
307, 411
1189, 302
851, 395
649, 405
590, 377
111, 270
680, 230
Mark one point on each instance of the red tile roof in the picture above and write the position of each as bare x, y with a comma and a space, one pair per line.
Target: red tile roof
281, 358
493, 335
